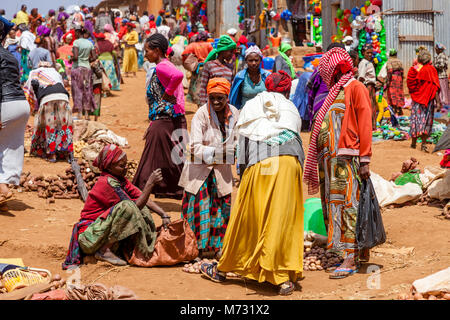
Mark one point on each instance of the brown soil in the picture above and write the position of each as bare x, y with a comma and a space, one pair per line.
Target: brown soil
39, 232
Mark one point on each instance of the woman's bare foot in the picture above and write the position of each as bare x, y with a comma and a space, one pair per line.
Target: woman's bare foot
108, 256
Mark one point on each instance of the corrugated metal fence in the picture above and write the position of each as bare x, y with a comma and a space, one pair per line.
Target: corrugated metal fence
415, 23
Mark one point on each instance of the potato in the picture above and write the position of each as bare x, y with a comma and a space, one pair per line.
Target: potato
418, 296
446, 296
403, 296
431, 297
56, 277
191, 270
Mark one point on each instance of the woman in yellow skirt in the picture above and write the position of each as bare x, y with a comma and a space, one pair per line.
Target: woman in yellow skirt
264, 238
130, 60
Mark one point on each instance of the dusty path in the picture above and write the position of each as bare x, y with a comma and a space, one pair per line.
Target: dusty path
40, 232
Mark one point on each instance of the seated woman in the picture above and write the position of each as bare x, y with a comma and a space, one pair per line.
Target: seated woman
116, 216
264, 239
206, 177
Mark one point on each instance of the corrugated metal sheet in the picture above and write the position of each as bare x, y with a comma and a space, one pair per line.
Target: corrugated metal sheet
408, 5
229, 17
441, 20
410, 25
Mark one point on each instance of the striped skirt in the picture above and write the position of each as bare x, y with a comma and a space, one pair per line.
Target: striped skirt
207, 214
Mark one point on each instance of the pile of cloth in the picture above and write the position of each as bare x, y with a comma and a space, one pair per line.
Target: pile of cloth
96, 291
96, 135
411, 184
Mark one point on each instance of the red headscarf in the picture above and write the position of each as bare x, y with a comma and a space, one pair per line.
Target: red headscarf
243, 40
109, 155
337, 59
278, 82
99, 35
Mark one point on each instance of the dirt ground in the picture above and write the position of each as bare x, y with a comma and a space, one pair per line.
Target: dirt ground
39, 232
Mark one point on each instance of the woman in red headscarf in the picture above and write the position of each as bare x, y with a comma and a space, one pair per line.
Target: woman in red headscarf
206, 177
264, 238
341, 147
116, 215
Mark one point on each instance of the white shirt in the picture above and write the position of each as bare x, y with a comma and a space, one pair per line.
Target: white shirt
143, 20
164, 30
26, 40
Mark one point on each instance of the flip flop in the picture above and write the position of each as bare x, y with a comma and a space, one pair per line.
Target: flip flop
286, 288
210, 271
332, 268
340, 270
4, 198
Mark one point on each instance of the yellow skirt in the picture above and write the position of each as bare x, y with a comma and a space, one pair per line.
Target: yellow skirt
130, 61
264, 237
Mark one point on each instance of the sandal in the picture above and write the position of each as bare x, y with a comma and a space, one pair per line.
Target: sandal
210, 271
332, 268
348, 272
286, 288
114, 260
364, 257
5, 197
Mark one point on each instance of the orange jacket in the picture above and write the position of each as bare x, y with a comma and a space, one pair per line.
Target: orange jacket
356, 131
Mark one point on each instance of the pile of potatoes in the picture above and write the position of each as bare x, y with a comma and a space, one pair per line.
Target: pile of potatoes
132, 166
195, 267
318, 259
60, 186
78, 148
413, 295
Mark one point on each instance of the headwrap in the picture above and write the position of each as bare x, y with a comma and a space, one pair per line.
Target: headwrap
68, 35
333, 60
129, 24
243, 41
51, 12
202, 36
440, 46
284, 47
152, 17
43, 31
109, 155
99, 35
157, 40
232, 31
6, 27
218, 85
253, 49
169, 51
225, 43
420, 48
108, 28
424, 56
223, 86
278, 82
392, 52
347, 38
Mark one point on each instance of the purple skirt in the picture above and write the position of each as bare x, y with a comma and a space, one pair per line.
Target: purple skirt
82, 90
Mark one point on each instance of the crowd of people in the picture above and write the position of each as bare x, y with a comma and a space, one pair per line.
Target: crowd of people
245, 118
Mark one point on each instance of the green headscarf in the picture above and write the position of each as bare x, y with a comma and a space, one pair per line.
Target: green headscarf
225, 43
284, 47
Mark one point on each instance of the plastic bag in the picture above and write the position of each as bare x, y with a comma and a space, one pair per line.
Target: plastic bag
412, 176
369, 224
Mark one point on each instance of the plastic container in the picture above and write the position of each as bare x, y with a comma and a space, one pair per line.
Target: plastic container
309, 59
313, 217
268, 63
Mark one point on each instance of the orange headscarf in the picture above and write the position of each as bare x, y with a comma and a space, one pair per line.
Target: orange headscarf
218, 85
223, 86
